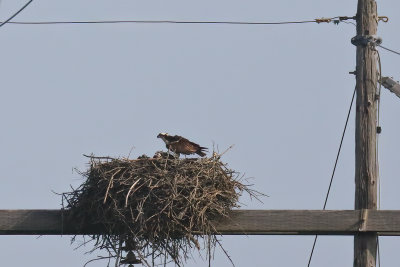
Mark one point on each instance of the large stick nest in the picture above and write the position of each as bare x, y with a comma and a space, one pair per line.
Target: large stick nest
160, 208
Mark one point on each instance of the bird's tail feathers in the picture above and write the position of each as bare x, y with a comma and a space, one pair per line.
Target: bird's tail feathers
201, 151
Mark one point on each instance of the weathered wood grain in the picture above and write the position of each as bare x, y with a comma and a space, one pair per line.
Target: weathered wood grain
249, 222
365, 244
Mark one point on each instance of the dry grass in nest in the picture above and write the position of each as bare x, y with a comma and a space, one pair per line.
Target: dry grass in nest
163, 206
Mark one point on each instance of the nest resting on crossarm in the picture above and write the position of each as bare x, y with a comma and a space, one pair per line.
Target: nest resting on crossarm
160, 208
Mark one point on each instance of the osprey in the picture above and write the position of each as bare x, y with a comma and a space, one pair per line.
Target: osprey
181, 145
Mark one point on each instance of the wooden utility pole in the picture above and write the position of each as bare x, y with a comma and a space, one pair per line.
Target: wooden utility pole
365, 244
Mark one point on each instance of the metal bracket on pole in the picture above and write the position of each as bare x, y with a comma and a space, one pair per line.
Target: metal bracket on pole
364, 40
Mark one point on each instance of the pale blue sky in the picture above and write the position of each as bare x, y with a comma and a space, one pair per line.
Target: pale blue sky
279, 93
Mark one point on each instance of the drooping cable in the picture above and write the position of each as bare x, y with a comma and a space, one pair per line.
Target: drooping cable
378, 94
16, 13
157, 22
334, 170
320, 20
390, 50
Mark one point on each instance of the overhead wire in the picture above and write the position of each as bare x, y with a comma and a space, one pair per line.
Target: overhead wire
156, 22
16, 13
377, 148
334, 169
390, 50
320, 20
378, 124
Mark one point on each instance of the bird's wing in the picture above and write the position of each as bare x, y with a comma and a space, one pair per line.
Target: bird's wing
177, 139
190, 146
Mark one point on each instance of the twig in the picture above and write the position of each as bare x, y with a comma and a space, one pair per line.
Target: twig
110, 185
229, 148
225, 252
93, 157
99, 258
130, 189
130, 151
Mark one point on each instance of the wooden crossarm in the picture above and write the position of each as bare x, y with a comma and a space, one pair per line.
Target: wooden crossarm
249, 222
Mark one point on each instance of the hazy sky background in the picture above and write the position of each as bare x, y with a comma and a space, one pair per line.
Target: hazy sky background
279, 93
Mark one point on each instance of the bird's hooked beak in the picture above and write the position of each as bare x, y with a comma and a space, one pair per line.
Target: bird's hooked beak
161, 135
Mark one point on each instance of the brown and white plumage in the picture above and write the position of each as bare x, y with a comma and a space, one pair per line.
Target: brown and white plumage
181, 145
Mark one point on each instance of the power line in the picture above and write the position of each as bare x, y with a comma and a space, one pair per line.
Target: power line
320, 20
16, 13
377, 148
334, 170
157, 22
390, 50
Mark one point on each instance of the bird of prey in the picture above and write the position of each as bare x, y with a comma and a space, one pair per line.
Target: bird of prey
180, 145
